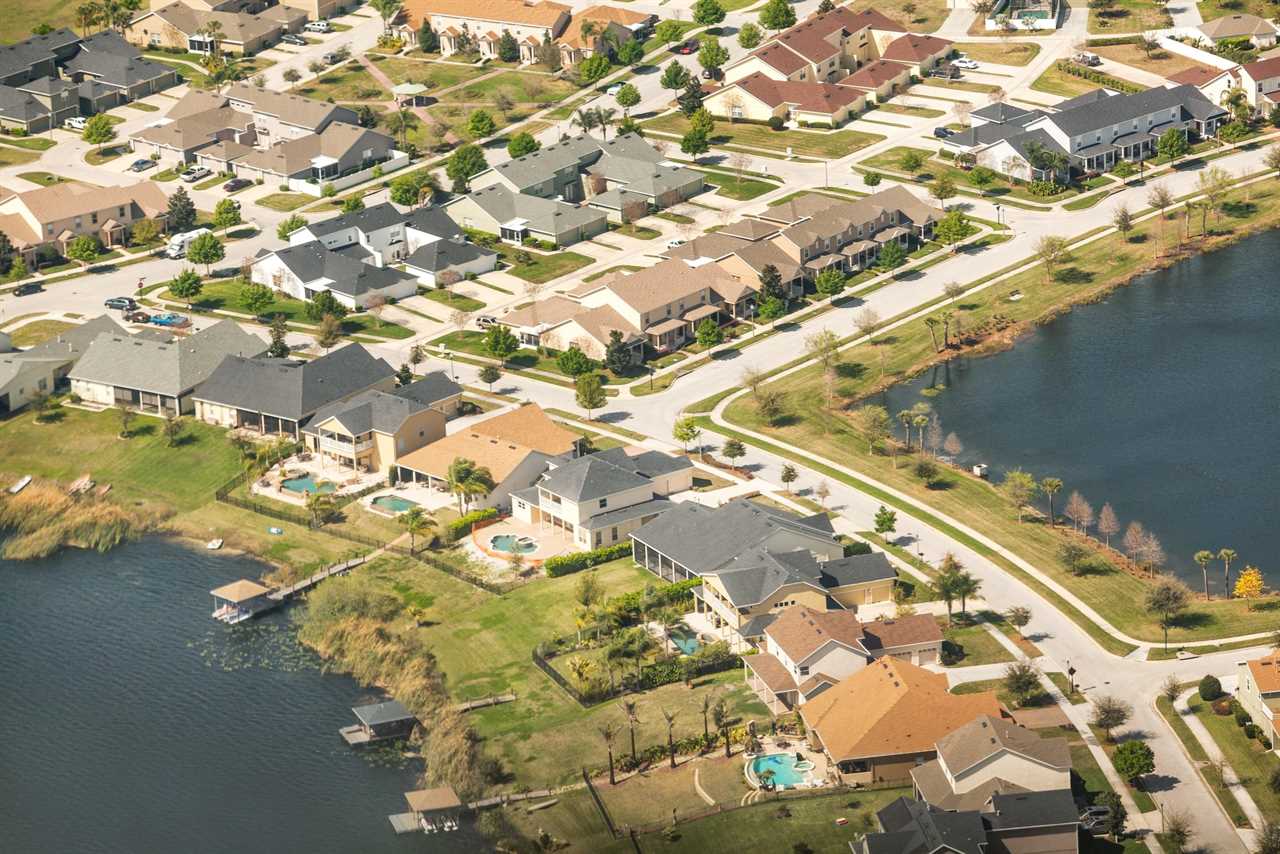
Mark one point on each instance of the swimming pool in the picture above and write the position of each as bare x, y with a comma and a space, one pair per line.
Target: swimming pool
308, 483
393, 503
685, 639
788, 771
512, 544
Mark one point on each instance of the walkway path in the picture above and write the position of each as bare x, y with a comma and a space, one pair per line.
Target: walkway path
1229, 776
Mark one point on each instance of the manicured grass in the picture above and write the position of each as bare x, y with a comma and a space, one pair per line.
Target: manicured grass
520, 87
31, 143
224, 295
453, 300
299, 549
141, 106
434, 75
1006, 53
142, 468
211, 182
740, 189
925, 17
541, 268
351, 82
37, 332
639, 232
1200, 759
1063, 684
10, 156
1057, 82
679, 219
828, 144
472, 343
1253, 765
1134, 16
1160, 62
969, 645
1211, 9
907, 110
284, 201
890, 161
99, 156
965, 85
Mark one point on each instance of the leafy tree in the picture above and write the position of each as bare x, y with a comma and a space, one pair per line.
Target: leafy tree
186, 286
617, 357
630, 52
18, 269
144, 231
508, 50
871, 179
1022, 680
777, 15
690, 99
352, 204
466, 161
84, 249
686, 430
695, 143
749, 37
712, 54
489, 375
1172, 145
1116, 819
1133, 759
255, 298
628, 96
826, 6
674, 76
911, 161
668, 31
1249, 584
404, 376
594, 68
127, 415
1110, 713
329, 332
1167, 598
702, 121
708, 12
325, 304
480, 124
99, 130
290, 225
574, 362
943, 188
428, 41
500, 342
709, 333
771, 308
1018, 616
1210, 688
892, 255
829, 282
589, 393
206, 249
291, 75
788, 476
182, 212
981, 177
279, 329
1052, 250
411, 189
886, 521
953, 228
732, 450
226, 213
1020, 487
521, 144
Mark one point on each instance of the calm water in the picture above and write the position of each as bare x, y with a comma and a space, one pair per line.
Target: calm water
133, 722
1163, 400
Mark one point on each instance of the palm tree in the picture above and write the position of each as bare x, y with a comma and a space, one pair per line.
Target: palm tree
387, 10
416, 522
87, 14
906, 416
706, 711
320, 506
398, 123
604, 118
720, 716
670, 718
581, 668
1226, 556
585, 119
968, 586
609, 732
629, 712
1203, 557
466, 480
948, 582
1050, 486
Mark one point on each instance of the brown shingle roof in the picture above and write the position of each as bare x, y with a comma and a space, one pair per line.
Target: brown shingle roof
1234, 26
240, 591
427, 800
985, 735
799, 632
530, 426
1266, 672
69, 199
544, 14
901, 631
913, 48
1198, 75
1263, 69
890, 708
808, 96
665, 282
500, 457
780, 57
874, 74
771, 671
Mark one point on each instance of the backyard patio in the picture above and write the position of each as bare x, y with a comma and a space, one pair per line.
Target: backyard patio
496, 542
397, 499
294, 478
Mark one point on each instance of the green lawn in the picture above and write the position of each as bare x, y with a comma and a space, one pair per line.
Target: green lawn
21, 15
284, 202
520, 87
1140, 797
10, 156
653, 44
934, 168
349, 83
99, 156
1055, 81
1063, 684
31, 143
811, 143
740, 189
923, 16
901, 110
1135, 16
541, 267
1200, 759
1003, 53
472, 343
224, 295
433, 75
631, 229
1252, 764
452, 300
142, 468
37, 332
969, 645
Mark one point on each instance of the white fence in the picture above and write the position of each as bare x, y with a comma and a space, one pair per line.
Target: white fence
1167, 42
398, 160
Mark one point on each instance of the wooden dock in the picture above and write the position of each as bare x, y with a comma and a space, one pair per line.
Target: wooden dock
284, 594
484, 702
244, 599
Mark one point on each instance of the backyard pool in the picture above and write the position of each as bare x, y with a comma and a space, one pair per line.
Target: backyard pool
788, 772
308, 483
393, 503
511, 544
685, 639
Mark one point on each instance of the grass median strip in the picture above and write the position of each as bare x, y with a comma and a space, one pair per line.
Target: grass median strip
1211, 773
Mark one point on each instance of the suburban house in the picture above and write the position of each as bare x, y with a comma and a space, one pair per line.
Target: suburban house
920, 54
37, 56
988, 756
45, 220
879, 79
280, 396
880, 723
1260, 82
1240, 27
157, 376
481, 23
531, 425
611, 24
1215, 83
1040, 822
804, 652
824, 47
281, 115
185, 27
38, 105
758, 97
1092, 131
370, 431
600, 498
310, 161
516, 216
1259, 694
625, 176
435, 390
108, 61
426, 241
43, 369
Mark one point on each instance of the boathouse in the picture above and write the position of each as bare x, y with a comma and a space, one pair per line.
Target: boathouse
430, 810
240, 600
378, 722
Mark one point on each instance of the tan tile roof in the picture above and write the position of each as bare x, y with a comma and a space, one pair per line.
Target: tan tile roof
292, 109
771, 671
799, 632
665, 282
1266, 672
1233, 26
985, 735
811, 97
240, 591
614, 14
544, 14
749, 229
530, 426
69, 199
195, 129
551, 311
599, 322
902, 631
427, 800
499, 456
913, 48
18, 230
889, 708
238, 27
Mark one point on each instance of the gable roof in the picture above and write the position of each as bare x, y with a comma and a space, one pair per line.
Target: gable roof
373, 410
538, 14
373, 218
70, 199
811, 97
1266, 672
442, 254
887, 634
531, 426
781, 57
294, 156
313, 262
238, 27
170, 367
590, 477
914, 48
291, 109
21, 56
1000, 112
985, 736
1263, 69
294, 389
874, 74
1101, 112
385, 712
546, 216
1017, 810
913, 827
1237, 26
499, 456
891, 708
1200, 75
112, 60
614, 14
800, 631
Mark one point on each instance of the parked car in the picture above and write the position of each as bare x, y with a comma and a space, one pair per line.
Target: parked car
291, 38
1086, 58
169, 318
137, 317
712, 74
965, 63
1096, 811
121, 303
947, 72
320, 26
614, 89
235, 185
941, 132
142, 165
330, 59
675, 243
75, 123
687, 48
28, 288
486, 320
196, 174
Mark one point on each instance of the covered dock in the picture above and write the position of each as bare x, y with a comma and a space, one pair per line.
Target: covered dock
379, 722
240, 600
430, 810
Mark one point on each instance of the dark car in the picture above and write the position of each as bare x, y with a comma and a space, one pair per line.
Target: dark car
294, 40
235, 185
142, 165
712, 74
122, 303
687, 48
138, 317
942, 133
28, 288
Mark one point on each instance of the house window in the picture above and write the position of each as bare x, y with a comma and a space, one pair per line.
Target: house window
93, 218
735, 112
121, 209
804, 670
613, 533
604, 502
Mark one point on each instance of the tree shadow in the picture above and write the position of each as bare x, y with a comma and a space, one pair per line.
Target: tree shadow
1239, 210
851, 370
1073, 276
785, 420
185, 440
1152, 783
142, 429
1192, 620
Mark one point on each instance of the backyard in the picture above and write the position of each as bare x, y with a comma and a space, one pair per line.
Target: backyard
1132, 16
38, 332
1001, 53
811, 143
967, 643
924, 16
1160, 62
539, 267
1055, 81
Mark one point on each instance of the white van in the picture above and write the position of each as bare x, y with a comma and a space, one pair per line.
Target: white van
317, 27
177, 247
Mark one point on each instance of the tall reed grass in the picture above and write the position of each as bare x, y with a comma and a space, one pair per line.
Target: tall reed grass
43, 519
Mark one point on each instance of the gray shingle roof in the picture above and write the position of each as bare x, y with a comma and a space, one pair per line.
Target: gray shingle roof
19, 106
544, 215
382, 713
912, 827
624, 514
378, 217
542, 165
1083, 116
1031, 809
170, 367
443, 254
311, 261
291, 389
113, 60
15, 58
1001, 112
590, 477
431, 388
370, 410
72, 342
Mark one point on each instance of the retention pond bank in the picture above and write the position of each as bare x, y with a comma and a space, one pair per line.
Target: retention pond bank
1162, 399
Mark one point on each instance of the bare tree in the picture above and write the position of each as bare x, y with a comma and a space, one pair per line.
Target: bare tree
1079, 511
739, 161
1108, 524
952, 445
962, 113
1133, 537
375, 306
459, 319
933, 434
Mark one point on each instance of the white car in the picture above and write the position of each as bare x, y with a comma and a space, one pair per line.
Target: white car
75, 123
614, 89
193, 175
967, 64
317, 27
675, 243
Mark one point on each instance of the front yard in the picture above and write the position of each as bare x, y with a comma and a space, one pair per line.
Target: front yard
891, 162
966, 644
540, 267
924, 16
1251, 762
808, 143
1001, 53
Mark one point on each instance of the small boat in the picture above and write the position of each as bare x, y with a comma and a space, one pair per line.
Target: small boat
20, 485
214, 544
275, 530
980, 469
82, 484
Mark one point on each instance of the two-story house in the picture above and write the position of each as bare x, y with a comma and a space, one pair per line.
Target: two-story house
480, 24
599, 499
38, 105
372, 430
1042, 822
44, 221
1259, 693
804, 652
820, 49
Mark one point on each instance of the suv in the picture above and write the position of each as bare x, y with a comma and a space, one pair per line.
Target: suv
318, 27
193, 175
121, 303
142, 165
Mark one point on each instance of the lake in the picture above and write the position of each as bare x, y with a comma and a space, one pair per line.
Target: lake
134, 722
1163, 400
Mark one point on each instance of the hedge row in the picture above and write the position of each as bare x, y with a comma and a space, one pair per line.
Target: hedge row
459, 528
578, 561
1086, 73
1113, 40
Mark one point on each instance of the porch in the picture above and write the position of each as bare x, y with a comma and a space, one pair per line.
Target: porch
668, 335
771, 682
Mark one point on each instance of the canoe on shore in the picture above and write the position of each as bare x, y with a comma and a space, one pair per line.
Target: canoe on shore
20, 485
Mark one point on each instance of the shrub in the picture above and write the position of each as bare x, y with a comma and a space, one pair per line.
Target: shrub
776, 123
1044, 188
946, 154
1223, 707
1244, 719
1252, 731
1210, 688
1264, 741
578, 561
459, 528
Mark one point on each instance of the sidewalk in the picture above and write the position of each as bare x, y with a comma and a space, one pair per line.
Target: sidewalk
1229, 776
